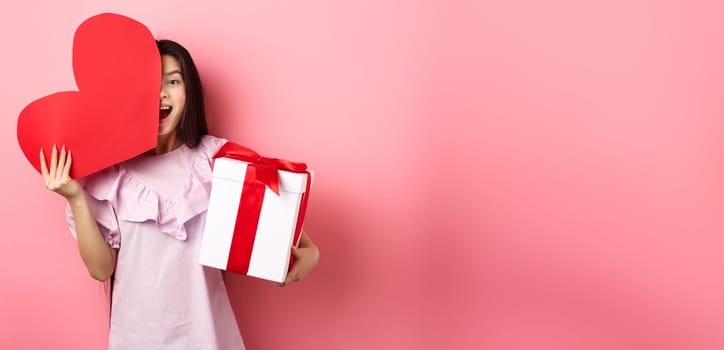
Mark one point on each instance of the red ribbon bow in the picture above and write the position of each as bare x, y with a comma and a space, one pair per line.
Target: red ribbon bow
265, 168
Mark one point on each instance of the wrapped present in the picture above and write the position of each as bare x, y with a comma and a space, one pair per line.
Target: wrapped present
255, 213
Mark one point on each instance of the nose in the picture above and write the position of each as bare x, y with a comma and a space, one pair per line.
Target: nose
163, 94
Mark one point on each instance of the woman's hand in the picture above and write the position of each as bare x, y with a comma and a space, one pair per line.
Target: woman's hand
305, 259
57, 179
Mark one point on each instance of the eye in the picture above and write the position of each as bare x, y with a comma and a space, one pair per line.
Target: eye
173, 82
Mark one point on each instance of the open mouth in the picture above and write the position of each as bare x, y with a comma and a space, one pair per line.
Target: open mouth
164, 112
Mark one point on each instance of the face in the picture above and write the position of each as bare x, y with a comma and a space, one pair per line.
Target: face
173, 97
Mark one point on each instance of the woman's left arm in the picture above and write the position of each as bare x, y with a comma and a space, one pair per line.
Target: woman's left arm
305, 259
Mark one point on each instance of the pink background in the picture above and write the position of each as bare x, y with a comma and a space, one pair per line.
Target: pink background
524, 175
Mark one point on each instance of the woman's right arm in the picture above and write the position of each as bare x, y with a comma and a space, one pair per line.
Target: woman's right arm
98, 257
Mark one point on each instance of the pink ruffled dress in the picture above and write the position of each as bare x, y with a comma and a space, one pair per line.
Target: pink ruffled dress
153, 209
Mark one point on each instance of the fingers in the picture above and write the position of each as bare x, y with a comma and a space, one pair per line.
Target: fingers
292, 276
296, 253
287, 281
43, 165
66, 171
53, 162
60, 171
303, 264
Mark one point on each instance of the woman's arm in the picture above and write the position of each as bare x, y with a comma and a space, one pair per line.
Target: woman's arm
98, 257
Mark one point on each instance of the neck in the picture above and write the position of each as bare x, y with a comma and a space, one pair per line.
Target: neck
165, 144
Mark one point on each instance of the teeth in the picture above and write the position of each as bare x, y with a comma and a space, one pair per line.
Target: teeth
165, 108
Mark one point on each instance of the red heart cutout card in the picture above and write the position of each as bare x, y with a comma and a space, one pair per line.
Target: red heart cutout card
114, 114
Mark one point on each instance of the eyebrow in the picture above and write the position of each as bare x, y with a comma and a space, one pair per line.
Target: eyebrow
172, 72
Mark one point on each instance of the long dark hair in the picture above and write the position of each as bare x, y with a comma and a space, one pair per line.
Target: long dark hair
193, 119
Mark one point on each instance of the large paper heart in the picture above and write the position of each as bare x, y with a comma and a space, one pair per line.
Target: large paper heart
114, 114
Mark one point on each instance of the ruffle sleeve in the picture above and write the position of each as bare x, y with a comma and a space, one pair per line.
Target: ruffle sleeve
101, 208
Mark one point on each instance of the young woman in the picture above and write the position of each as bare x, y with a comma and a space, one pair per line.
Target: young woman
141, 222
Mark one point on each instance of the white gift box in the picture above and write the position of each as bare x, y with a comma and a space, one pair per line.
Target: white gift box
275, 232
